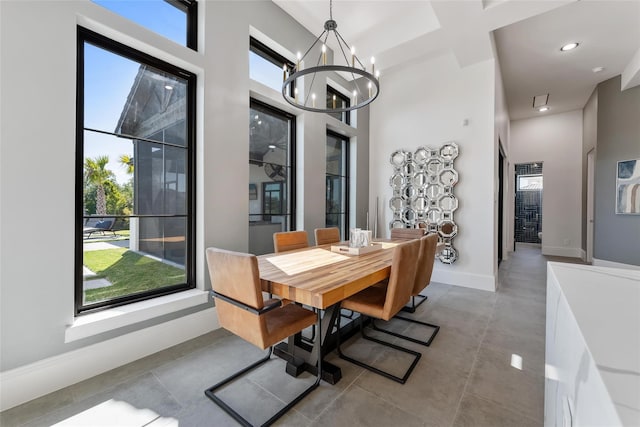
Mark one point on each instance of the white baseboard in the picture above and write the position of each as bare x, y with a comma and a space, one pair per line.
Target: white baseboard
611, 264
468, 280
31, 381
562, 251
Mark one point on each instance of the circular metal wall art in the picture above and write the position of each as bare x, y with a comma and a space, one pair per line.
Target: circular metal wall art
423, 182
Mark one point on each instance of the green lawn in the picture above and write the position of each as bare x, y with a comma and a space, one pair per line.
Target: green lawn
129, 272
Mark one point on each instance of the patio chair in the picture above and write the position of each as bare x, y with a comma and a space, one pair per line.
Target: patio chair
102, 226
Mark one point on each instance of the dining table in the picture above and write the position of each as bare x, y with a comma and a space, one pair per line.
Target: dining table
321, 278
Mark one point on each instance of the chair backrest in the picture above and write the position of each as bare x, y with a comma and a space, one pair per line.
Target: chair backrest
426, 259
407, 233
236, 275
324, 236
290, 240
403, 273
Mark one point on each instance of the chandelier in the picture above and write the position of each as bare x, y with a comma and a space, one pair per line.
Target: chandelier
365, 86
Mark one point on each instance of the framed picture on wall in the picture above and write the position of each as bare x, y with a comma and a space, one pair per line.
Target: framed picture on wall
253, 192
628, 187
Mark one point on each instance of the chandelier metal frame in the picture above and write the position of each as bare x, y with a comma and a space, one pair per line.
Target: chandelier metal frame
330, 26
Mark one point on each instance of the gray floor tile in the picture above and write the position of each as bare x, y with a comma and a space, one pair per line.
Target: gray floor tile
493, 378
477, 412
135, 403
358, 407
431, 393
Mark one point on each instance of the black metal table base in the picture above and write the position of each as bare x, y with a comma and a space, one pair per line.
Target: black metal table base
301, 356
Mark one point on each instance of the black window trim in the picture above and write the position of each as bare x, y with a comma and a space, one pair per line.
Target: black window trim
85, 35
190, 8
255, 104
347, 114
347, 177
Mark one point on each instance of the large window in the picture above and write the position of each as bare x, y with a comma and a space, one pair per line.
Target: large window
336, 99
271, 154
266, 66
337, 180
135, 158
174, 19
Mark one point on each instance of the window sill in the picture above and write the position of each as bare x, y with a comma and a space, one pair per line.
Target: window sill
107, 320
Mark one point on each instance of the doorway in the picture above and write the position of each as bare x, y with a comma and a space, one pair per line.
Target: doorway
590, 203
500, 200
528, 203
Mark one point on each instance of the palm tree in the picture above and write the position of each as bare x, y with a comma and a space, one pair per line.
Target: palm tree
126, 161
95, 172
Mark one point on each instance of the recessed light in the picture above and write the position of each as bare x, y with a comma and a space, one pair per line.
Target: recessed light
168, 87
543, 109
597, 69
272, 146
569, 46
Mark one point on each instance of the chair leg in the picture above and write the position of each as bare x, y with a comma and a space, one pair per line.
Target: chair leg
210, 392
413, 307
416, 356
426, 343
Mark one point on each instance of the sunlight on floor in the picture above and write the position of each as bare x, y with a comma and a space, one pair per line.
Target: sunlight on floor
116, 413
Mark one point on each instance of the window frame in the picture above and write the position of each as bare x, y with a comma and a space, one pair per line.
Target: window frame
532, 175
291, 187
85, 35
347, 114
190, 9
347, 176
265, 52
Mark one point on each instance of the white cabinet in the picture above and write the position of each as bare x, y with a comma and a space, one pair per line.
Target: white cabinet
592, 346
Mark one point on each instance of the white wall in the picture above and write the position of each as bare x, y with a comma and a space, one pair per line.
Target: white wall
37, 135
556, 140
425, 103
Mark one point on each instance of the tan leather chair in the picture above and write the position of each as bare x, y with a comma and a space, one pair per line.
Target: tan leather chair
236, 288
290, 240
324, 236
407, 233
385, 302
424, 269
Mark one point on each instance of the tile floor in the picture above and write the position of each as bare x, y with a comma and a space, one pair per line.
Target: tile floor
465, 378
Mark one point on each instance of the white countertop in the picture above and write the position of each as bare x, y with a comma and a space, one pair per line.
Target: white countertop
606, 305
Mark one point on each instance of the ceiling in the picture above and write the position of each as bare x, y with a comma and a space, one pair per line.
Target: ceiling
528, 35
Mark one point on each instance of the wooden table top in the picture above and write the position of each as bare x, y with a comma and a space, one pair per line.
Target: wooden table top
318, 277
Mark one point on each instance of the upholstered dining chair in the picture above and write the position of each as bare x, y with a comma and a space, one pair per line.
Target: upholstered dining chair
235, 283
289, 240
324, 236
284, 241
407, 233
424, 269
385, 302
